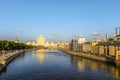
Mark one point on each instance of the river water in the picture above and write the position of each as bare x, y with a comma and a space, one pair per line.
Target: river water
57, 65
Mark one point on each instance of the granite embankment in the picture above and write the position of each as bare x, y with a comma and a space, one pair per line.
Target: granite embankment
10, 55
90, 56
6, 59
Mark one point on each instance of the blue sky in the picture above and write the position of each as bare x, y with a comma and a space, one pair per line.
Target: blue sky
58, 20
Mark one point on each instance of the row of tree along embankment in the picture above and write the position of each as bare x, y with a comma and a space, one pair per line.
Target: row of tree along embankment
90, 56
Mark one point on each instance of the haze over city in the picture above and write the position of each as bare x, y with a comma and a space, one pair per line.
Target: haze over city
58, 20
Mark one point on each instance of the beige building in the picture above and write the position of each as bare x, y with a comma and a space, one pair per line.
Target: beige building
41, 41
106, 48
87, 47
63, 45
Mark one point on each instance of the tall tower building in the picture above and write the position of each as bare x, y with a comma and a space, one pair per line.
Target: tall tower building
107, 38
117, 31
40, 40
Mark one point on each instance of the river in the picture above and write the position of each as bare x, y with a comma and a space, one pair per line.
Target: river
57, 65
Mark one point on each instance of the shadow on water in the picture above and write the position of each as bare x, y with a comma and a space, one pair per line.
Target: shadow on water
3, 72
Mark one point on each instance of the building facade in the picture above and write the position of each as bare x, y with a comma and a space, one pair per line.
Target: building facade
77, 45
87, 47
41, 41
106, 48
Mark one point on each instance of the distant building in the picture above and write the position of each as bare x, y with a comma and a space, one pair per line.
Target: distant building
117, 38
117, 35
41, 41
29, 43
77, 45
16, 40
33, 43
87, 47
81, 40
63, 45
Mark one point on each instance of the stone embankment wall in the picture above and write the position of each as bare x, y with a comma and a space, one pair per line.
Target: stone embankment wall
87, 55
8, 58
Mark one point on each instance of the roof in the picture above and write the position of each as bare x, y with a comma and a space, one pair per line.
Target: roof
109, 43
117, 36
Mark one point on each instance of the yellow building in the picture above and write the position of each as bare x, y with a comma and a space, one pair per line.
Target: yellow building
106, 48
94, 47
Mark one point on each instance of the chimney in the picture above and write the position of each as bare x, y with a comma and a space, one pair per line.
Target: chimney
117, 31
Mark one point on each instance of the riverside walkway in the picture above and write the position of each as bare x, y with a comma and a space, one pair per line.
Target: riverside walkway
5, 58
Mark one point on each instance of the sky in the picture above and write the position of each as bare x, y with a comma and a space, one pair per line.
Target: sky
58, 20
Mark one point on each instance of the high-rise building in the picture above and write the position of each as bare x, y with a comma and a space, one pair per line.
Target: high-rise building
40, 40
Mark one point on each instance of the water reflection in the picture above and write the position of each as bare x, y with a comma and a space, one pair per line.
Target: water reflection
55, 65
40, 55
93, 66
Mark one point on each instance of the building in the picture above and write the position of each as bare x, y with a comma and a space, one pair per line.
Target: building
16, 40
74, 45
117, 38
87, 47
77, 45
81, 40
106, 48
63, 45
29, 43
117, 35
41, 41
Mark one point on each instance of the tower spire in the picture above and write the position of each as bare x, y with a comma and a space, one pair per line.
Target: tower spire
117, 30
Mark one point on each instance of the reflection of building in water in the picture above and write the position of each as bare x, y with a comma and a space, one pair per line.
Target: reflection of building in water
92, 65
79, 63
41, 55
81, 67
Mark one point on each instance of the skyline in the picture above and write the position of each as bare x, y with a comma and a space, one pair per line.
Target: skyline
57, 20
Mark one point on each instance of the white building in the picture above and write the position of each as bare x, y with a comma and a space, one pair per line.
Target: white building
81, 40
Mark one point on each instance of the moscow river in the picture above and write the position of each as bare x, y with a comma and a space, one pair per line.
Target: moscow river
57, 65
